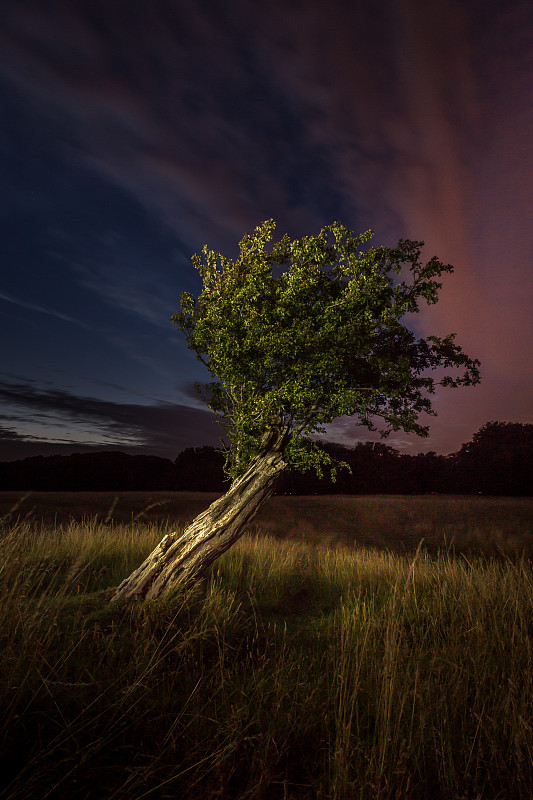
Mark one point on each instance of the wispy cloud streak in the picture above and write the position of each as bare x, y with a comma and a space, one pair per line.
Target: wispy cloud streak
42, 310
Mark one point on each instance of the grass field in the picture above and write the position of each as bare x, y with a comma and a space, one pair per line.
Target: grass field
304, 668
469, 525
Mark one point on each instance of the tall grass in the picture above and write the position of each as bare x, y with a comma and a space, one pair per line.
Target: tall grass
295, 671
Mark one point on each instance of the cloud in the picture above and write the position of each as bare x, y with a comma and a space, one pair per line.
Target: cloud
175, 130
412, 118
158, 428
8, 434
127, 286
43, 310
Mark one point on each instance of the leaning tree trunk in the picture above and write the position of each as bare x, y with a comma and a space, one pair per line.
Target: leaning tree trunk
179, 559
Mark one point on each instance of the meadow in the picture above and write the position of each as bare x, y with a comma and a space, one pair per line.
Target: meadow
345, 648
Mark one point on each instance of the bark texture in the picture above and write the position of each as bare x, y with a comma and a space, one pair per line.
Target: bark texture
179, 559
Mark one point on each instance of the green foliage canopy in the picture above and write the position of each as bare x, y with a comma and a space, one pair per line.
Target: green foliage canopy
296, 347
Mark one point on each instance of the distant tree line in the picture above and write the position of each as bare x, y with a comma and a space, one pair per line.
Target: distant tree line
498, 461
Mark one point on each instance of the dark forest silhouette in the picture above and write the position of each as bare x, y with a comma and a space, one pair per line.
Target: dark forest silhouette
497, 461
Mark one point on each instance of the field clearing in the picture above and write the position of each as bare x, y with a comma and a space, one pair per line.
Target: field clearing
293, 672
460, 523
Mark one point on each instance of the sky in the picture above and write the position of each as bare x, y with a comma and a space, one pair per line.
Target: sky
132, 133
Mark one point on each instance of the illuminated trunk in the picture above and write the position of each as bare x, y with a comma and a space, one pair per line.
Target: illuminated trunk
179, 559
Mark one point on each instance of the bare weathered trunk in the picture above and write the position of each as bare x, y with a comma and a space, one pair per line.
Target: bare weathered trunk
179, 559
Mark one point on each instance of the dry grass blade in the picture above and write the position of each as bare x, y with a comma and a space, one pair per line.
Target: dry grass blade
5, 517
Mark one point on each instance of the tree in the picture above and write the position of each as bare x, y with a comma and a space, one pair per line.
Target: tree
297, 334
200, 469
498, 460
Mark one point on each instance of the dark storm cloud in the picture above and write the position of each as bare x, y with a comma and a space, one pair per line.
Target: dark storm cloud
159, 428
